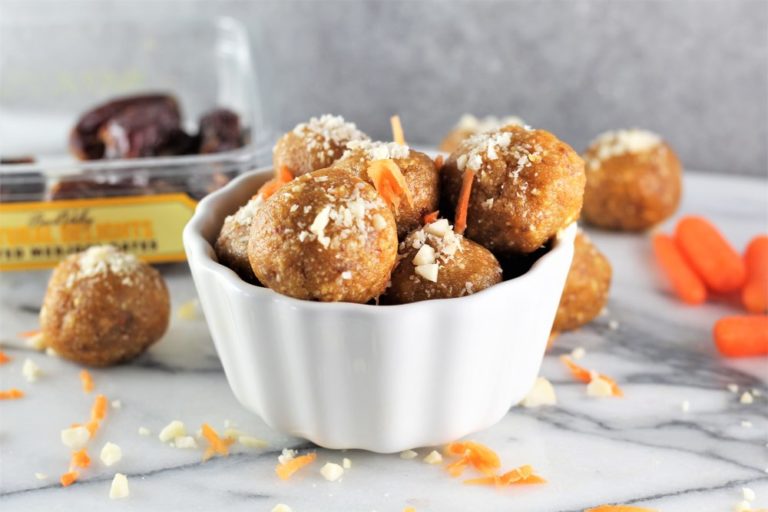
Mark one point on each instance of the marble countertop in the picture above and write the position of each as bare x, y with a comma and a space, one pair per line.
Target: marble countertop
643, 449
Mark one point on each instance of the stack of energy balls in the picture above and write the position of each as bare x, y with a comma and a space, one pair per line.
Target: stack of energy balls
354, 220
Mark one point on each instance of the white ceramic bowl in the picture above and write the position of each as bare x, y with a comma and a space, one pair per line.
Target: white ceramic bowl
380, 378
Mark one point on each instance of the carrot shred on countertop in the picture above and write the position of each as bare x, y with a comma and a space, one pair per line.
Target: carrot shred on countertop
4, 358
409, 509
99, 409
92, 426
584, 375
30, 333
11, 394
431, 217
286, 470
475, 454
68, 478
463, 205
397, 130
519, 476
87, 380
80, 459
439, 161
282, 176
619, 508
216, 445
389, 182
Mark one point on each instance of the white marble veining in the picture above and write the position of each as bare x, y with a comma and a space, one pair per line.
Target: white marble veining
642, 449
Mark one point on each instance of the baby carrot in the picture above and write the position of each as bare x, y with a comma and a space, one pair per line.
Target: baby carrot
742, 336
686, 284
754, 295
710, 255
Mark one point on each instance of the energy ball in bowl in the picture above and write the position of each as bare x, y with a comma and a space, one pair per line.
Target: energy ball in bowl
526, 186
104, 307
422, 178
232, 244
469, 125
325, 236
586, 287
436, 263
634, 180
315, 144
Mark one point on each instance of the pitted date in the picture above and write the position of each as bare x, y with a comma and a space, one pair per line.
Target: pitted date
220, 131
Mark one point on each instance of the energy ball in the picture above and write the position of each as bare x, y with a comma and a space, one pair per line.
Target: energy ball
325, 236
436, 263
422, 178
586, 287
469, 125
527, 186
315, 144
232, 244
634, 180
104, 307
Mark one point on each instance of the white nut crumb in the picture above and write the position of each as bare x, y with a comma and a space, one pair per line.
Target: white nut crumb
613, 325
119, 488
346, 463
756, 392
433, 457
31, 371
599, 387
408, 454
742, 506
733, 388
331, 471
281, 508
117, 404
110, 454
75, 437
41, 476
172, 430
746, 398
685, 406
51, 353
428, 272
286, 456
185, 442
346, 275
36, 342
144, 431
542, 393
424, 256
438, 228
379, 222
578, 353
252, 442
746, 423
748, 494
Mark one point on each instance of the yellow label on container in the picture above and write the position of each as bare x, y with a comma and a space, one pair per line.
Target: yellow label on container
40, 234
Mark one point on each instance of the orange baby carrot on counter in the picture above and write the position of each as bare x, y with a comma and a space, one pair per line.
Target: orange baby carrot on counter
397, 130
87, 380
389, 181
685, 282
4, 358
742, 336
68, 478
754, 295
11, 394
619, 508
463, 204
710, 254
287, 469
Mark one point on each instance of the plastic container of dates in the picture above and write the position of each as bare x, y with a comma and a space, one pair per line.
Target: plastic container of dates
110, 133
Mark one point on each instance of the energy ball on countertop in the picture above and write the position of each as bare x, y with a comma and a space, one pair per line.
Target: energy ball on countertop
422, 178
436, 263
634, 180
325, 236
315, 144
104, 307
232, 244
469, 125
527, 186
586, 287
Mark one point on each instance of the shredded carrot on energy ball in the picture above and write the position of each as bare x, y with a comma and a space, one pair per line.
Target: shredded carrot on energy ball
288, 468
389, 182
585, 375
11, 394
4, 357
282, 176
619, 508
463, 204
87, 380
216, 445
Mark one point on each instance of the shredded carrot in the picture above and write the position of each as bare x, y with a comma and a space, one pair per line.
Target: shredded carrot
685, 282
29, 334
92, 426
518, 476
216, 445
710, 254
285, 471
80, 459
389, 182
584, 375
87, 381
11, 394
99, 409
397, 130
409, 509
475, 454
282, 176
69, 478
439, 161
619, 508
754, 295
463, 204
4, 357
742, 336
431, 217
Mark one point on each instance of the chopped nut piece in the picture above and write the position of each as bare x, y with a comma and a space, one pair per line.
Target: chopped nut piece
746, 398
733, 388
438, 228
110, 454
281, 508
742, 506
748, 494
578, 353
433, 457
331, 471
31, 371
75, 437
41, 476
542, 393
185, 442
117, 404
346, 463
685, 406
599, 387
36, 342
286, 456
171, 431
746, 423
144, 431
408, 454
119, 488
424, 256
252, 442
428, 272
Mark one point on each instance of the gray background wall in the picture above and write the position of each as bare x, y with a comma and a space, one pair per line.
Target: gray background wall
696, 71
